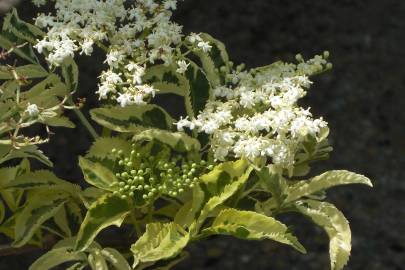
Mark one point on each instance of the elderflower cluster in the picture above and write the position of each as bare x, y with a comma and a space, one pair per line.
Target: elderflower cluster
256, 114
132, 35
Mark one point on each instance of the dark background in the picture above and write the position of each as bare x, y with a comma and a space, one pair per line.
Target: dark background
362, 98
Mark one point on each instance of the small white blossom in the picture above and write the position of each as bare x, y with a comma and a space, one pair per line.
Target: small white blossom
32, 110
125, 99
182, 66
205, 46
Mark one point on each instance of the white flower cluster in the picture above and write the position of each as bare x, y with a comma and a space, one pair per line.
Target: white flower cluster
258, 116
133, 36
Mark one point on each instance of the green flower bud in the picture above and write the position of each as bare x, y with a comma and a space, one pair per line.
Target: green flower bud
144, 196
120, 152
123, 197
122, 184
132, 188
131, 194
113, 150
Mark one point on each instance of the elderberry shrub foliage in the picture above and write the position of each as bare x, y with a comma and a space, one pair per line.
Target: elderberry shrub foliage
238, 158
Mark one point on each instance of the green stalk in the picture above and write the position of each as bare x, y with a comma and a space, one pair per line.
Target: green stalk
84, 120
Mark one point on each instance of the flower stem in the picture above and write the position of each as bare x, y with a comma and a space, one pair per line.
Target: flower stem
84, 121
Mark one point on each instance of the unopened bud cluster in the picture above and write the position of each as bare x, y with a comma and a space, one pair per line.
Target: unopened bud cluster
147, 177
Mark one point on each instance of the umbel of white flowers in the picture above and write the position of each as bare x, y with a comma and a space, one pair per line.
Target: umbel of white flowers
132, 38
259, 116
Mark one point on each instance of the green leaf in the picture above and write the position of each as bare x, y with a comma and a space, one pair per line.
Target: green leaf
97, 261
133, 118
106, 211
178, 141
328, 217
200, 88
193, 85
9, 40
35, 213
70, 72
30, 151
59, 121
21, 29
31, 71
57, 256
39, 179
101, 148
2, 211
97, 175
234, 182
252, 226
324, 181
223, 174
213, 60
160, 241
61, 220
272, 180
168, 81
188, 212
115, 259
7, 175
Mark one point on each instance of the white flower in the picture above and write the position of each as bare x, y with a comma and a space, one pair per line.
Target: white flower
247, 99
32, 110
205, 46
193, 38
147, 89
182, 66
138, 98
104, 89
87, 46
182, 123
125, 99
114, 58
170, 4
